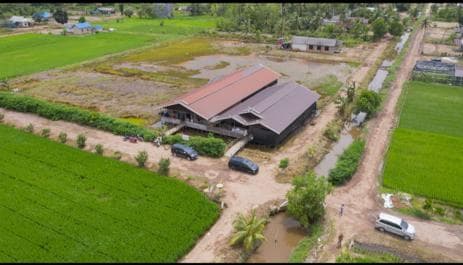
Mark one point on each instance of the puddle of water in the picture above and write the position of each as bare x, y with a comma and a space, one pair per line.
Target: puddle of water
295, 69
329, 161
286, 231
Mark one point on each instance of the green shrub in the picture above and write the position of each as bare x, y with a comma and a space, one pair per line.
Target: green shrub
440, 211
117, 155
54, 111
208, 146
457, 214
81, 139
29, 128
332, 131
141, 158
420, 214
368, 101
45, 133
164, 164
63, 137
99, 149
347, 163
284, 163
427, 204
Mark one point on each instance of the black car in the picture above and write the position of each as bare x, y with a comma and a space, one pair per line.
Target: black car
243, 164
184, 151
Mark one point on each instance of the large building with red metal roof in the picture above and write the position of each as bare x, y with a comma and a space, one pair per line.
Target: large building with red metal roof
247, 103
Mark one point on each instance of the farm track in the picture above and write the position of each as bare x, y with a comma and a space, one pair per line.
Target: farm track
242, 192
361, 198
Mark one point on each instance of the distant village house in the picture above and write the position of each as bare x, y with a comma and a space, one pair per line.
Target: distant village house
316, 44
43, 16
103, 11
82, 28
20, 22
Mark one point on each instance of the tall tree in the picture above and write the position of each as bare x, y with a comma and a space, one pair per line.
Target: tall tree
306, 198
61, 16
379, 28
396, 28
121, 9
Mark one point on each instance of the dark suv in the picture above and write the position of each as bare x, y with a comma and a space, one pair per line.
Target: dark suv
184, 151
243, 164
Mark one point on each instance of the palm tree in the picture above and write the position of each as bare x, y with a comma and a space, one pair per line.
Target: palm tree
248, 231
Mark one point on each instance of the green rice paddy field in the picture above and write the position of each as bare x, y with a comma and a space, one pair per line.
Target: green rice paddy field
61, 204
426, 152
29, 53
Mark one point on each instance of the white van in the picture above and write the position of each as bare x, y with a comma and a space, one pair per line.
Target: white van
396, 225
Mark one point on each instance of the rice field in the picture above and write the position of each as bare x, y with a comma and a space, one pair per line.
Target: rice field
29, 53
426, 164
426, 153
61, 204
434, 108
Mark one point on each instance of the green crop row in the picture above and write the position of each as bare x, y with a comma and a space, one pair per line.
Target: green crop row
209, 146
63, 204
56, 111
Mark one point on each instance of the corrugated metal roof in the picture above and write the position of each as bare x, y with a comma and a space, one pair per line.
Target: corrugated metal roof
314, 41
458, 71
19, 19
378, 80
83, 25
403, 39
275, 107
215, 97
434, 66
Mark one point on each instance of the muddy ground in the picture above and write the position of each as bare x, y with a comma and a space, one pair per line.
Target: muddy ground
439, 38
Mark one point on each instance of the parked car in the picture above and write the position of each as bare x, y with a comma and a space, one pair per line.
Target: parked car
243, 164
395, 225
185, 151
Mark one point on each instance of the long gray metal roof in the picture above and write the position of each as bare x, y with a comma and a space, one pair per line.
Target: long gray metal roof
314, 41
378, 80
435, 66
275, 107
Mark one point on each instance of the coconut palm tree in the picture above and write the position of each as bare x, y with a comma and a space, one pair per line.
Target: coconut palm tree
248, 231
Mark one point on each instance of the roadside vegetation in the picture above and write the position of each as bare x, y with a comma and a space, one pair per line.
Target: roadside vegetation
347, 163
357, 255
54, 111
209, 146
116, 208
301, 251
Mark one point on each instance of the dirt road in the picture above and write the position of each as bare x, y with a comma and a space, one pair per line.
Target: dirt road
242, 192
360, 196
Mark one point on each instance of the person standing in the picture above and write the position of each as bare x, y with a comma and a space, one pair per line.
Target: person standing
341, 211
340, 238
